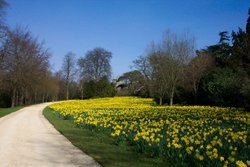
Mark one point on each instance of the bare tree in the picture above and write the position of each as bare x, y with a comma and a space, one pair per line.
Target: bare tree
95, 65
3, 29
69, 70
142, 64
197, 68
3, 26
24, 62
131, 83
168, 62
159, 84
60, 82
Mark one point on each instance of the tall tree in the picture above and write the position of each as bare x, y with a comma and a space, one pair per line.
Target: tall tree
248, 23
3, 29
223, 87
240, 58
142, 64
241, 47
161, 78
133, 83
198, 67
24, 62
69, 70
96, 64
222, 50
169, 62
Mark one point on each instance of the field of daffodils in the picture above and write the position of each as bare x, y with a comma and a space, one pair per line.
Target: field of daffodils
193, 135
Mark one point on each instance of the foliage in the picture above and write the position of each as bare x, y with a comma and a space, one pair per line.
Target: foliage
245, 91
95, 65
221, 51
101, 88
68, 71
163, 66
223, 87
5, 100
133, 83
25, 68
197, 68
190, 135
241, 50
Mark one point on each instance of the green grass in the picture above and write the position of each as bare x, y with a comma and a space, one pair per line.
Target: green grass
6, 111
101, 146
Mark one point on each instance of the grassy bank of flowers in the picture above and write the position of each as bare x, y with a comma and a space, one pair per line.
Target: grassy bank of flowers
191, 135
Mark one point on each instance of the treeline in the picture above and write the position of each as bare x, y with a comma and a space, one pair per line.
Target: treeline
26, 75
86, 77
25, 72
173, 72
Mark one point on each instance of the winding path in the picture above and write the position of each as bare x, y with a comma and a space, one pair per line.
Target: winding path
28, 139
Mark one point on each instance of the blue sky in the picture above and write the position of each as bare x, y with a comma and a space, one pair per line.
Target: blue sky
124, 27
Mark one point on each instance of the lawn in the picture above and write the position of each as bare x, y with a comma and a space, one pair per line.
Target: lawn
100, 145
152, 135
6, 111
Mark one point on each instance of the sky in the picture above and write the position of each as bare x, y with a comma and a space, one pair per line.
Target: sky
123, 27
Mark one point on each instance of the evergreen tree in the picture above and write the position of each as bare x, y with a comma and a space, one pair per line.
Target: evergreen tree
248, 23
221, 51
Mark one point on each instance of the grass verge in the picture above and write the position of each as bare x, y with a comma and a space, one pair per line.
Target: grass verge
6, 111
100, 146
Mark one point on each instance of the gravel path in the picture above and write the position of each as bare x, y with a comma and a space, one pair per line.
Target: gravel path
28, 139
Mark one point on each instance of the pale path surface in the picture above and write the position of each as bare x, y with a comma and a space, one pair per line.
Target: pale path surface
28, 139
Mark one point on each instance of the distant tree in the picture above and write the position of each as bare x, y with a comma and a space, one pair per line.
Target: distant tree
133, 82
95, 65
3, 29
222, 50
100, 88
25, 60
69, 70
240, 51
241, 48
227, 84
245, 92
224, 38
248, 23
198, 67
49, 87
169, 62
240, 59
161, 78
224, 86
60, 81
142, 64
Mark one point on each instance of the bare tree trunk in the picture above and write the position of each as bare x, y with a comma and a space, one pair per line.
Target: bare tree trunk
17, 98
81, 94
81, 89
21, 97
13, 100
43, 97
195, 92
67, 91
171, 101
47, 97
172, 96
160, 103
35, 98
